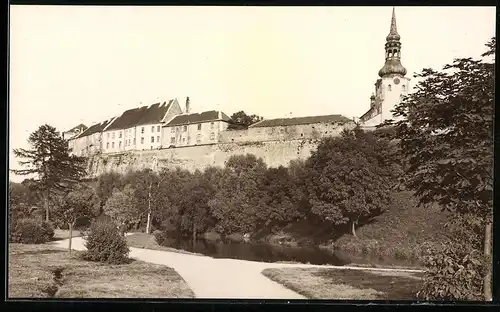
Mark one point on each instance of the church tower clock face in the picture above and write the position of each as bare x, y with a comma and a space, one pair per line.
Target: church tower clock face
396, 81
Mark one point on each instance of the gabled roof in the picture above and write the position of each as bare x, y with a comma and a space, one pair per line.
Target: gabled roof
78, 127
94, 129
194, 118
300, 121
141, 116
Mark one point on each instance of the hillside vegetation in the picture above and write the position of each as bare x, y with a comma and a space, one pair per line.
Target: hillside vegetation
401, 232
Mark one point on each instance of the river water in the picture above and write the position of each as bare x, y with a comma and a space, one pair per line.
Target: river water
254, 251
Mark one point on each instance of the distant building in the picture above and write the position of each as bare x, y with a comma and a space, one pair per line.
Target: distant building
391, 86
139, 128
195, 129
74, 131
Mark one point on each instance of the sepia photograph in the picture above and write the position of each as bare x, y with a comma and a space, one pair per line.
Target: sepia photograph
251, 152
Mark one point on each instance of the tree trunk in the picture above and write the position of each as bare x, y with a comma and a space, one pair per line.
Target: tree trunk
487, 254
70, 236
194, 232
46, 203
148, 224
353, 228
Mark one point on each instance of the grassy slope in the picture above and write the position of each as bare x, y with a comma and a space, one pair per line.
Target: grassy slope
319, 283
32, 269
398, 233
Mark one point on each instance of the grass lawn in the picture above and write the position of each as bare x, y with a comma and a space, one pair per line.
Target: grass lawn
319, 283
146, 241
45, 271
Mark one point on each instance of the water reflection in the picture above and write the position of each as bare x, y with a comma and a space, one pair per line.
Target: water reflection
257, 251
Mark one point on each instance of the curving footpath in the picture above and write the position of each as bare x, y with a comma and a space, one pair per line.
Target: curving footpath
221, 278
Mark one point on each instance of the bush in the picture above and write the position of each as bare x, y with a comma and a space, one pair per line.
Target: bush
453, 273
160, 237
104, 243
30, 231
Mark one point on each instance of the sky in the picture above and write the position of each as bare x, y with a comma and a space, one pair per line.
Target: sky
86, 64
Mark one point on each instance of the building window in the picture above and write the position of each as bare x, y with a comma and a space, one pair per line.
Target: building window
125, 143
185, 128
158, 139
152, 128
113, 136
189, 139
389, 88
120, 135
172, 140
403, 86
198, 138
108, 135
211, 125
134, 141
152, 139
120, 144
107, 144
142, 130
212, 136
172, 130
183, 140
142, 140
113, 145
199, 126
157, 128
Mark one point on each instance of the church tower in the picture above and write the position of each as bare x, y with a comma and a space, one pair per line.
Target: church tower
392, 84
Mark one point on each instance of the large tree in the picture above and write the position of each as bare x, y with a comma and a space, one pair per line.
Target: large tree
49, 160
446, 135
239, 201
106, 183
349, 178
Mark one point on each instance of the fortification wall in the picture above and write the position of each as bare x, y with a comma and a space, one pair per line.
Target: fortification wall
274, 154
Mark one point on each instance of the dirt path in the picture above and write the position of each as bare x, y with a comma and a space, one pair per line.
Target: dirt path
221, 278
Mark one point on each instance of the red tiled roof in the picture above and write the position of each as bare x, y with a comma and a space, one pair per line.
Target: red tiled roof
197, 118
300, 121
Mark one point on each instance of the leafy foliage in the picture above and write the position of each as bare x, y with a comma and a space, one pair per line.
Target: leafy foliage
241, 120
349, 177
106, 183
238, 203
121, 208
445, 133
104, 243
30, 231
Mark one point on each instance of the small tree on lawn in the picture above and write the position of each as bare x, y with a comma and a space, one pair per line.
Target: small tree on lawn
81, 202
446, 134
349, 178
49, 160
120, 207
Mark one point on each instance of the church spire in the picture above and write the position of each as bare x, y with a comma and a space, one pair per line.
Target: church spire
392, 52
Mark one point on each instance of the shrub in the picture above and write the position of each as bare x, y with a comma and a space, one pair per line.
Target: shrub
453, 273
104, 243
30, 231
160, 237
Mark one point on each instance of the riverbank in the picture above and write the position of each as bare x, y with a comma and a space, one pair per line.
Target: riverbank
45, 271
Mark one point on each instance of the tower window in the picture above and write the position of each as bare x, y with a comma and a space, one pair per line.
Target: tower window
404, 87
389, 88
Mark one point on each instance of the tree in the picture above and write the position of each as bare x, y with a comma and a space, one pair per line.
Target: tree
241, 120
238, 202
120, 207
81, 202
445, 132
50, 161
349, 178
106, 183
194, 209
281, 198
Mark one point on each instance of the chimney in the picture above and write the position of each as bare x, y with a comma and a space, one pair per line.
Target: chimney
187, 105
